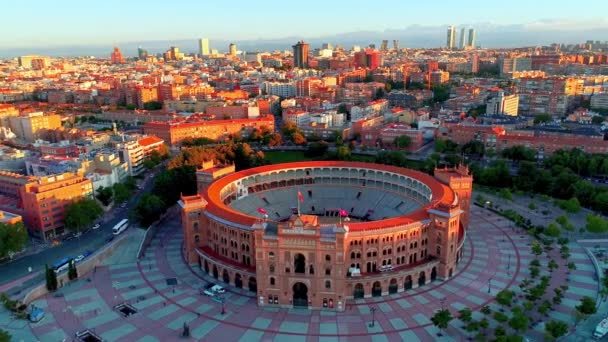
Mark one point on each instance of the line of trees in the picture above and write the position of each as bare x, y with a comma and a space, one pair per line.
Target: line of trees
180, 176
82, 214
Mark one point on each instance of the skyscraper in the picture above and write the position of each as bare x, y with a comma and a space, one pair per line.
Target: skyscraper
232, 49
471, 42
463, 38
451, 37
142, 53
203, 46
396, 44
300, 55
384, 45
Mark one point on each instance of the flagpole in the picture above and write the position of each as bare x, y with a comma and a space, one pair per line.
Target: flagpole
298, 199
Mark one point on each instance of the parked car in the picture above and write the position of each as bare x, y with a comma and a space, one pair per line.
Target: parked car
218, 289
207, 292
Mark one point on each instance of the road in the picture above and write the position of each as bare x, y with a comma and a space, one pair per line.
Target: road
89, 241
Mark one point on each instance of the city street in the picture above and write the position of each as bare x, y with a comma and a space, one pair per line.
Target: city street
89, 241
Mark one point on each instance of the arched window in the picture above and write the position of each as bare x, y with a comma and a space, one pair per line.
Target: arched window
197, 238
438, 250
328, 271
328, 284
271, 254
327, 257
272, 281
271, 268
352, 255
311, 269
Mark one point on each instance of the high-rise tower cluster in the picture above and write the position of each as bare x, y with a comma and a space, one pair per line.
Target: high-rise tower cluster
464, 43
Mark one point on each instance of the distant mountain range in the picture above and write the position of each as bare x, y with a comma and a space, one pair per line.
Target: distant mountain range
415, 36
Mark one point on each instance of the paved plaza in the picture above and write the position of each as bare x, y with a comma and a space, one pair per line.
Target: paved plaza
496, 257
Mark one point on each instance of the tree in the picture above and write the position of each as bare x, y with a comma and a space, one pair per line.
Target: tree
506, 194
5, 336
596, 224
552, 230
519, 153
121, 192
556, 329
72, 271
441, 93
343, 153
505, 297
298, 138
441, 319
153, 105
474, 147
542, 118
51, 278
571, 206
148, 209
536, 248
403, 141
13, 238
519, 321
104, 195
317, 149
465, 315
82, 214
274, 139
598, 120
586, 306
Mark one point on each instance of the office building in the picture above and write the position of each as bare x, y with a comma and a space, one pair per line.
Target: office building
300, 55
232, 49
132, 153
503, 105
203, 46
26, 61
142, 53
42, 201
509, 65
396, 44
384, 45
462, 41
472, 34
368, 58
451, 37
173, 132
27, 128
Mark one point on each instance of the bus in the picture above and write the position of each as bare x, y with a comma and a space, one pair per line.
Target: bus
120, 226
62, 265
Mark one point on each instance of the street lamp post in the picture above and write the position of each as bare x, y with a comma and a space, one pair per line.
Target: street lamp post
373, 323
489, 285
223, 301
509, 265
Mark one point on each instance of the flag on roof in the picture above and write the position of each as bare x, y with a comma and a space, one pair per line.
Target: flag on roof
343, 213
300, 197
262, 211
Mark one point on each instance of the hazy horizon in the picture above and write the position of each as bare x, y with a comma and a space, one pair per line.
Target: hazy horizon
67, 27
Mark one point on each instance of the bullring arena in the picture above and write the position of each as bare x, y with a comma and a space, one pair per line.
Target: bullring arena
317, 234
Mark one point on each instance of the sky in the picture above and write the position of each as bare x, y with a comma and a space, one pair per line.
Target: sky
43, 23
